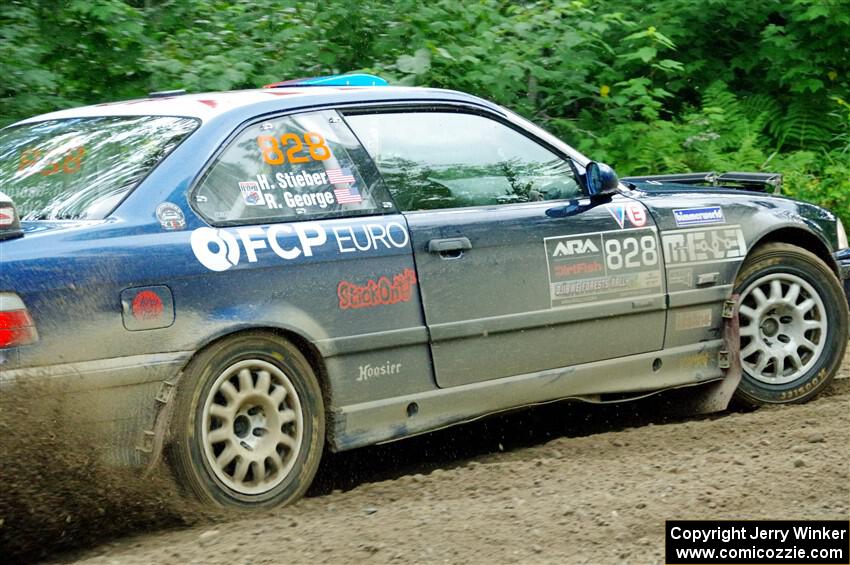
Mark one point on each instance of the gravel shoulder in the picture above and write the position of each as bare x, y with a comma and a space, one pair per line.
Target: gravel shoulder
556, 484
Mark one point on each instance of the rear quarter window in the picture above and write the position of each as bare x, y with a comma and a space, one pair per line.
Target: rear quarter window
305, 166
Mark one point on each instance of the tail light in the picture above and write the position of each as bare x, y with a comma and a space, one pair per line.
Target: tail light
16, 325
10, 223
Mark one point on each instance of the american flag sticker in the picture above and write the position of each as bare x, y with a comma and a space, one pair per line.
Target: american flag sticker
340, 176
348, 195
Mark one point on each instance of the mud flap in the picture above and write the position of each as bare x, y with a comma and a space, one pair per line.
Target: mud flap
153, 440
716, 396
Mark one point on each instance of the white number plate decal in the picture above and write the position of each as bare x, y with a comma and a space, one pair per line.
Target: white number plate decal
603, 265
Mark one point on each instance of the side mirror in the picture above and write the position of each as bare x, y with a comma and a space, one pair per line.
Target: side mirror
10, 224
601, 179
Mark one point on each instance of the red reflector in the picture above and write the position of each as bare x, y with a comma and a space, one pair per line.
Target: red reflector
7, 216
16, 328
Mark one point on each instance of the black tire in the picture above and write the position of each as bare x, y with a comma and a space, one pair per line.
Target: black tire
783, 325
277, 431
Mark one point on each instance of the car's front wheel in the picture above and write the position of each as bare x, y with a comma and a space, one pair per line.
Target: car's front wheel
248, 425
793, 320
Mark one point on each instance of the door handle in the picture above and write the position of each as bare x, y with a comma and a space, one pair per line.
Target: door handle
639, 304
708, 279
449, 245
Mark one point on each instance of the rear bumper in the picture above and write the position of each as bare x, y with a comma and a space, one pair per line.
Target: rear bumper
843, 259
113, 401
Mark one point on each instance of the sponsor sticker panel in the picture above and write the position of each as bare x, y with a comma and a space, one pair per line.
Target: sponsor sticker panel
693, 319
630, 214
680, 278
369, 371
222, 249
686, 217
170, 216
603, 265
318, 180
384, 291
302, 191
251, 193
296, 170
704, 245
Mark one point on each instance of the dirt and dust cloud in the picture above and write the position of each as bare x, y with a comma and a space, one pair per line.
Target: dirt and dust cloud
562, 483
56, 494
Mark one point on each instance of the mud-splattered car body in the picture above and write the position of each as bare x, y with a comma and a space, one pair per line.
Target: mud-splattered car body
411, 319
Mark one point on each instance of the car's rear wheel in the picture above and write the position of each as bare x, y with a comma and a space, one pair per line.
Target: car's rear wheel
793, 319
249, 424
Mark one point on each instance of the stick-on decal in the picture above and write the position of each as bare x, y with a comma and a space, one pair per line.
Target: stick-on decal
170, 216
377, 293
680, 277
619, 213
308, 200
340, 176
69, 162
291, 148
347, 194
220, 249
693, 319
699, 216
603, 265
707, 245
637, 215
251, 194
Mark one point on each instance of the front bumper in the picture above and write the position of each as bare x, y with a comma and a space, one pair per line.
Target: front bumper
843, 259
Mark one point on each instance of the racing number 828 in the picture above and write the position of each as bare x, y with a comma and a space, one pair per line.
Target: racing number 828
274, 155
631, 252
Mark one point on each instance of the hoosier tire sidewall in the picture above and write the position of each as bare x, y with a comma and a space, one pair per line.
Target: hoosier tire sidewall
187, 452
785, 258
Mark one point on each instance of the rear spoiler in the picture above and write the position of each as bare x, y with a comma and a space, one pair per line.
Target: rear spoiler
758, 182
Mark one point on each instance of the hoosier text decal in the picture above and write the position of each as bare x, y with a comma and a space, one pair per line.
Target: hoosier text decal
375, 293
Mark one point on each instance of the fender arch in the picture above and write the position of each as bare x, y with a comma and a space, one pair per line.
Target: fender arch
160, 429
801, 237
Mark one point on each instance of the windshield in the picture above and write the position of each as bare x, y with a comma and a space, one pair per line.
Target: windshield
81, 168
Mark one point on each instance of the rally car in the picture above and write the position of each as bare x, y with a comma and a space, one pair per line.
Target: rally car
238, 280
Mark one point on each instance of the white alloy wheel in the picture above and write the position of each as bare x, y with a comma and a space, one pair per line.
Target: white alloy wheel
252, 426
783, 328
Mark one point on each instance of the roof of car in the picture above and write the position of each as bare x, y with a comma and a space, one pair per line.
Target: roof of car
208, 105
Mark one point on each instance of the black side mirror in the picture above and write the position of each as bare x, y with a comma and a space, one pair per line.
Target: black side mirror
601, 179
10, 223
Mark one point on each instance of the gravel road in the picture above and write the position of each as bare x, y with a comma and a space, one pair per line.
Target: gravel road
557, 484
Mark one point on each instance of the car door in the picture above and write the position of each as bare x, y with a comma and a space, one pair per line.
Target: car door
305, 237
519, 273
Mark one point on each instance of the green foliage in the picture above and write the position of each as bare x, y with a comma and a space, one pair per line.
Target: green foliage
650, 86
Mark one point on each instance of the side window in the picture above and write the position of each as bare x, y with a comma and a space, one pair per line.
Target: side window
293, 167
435, 160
